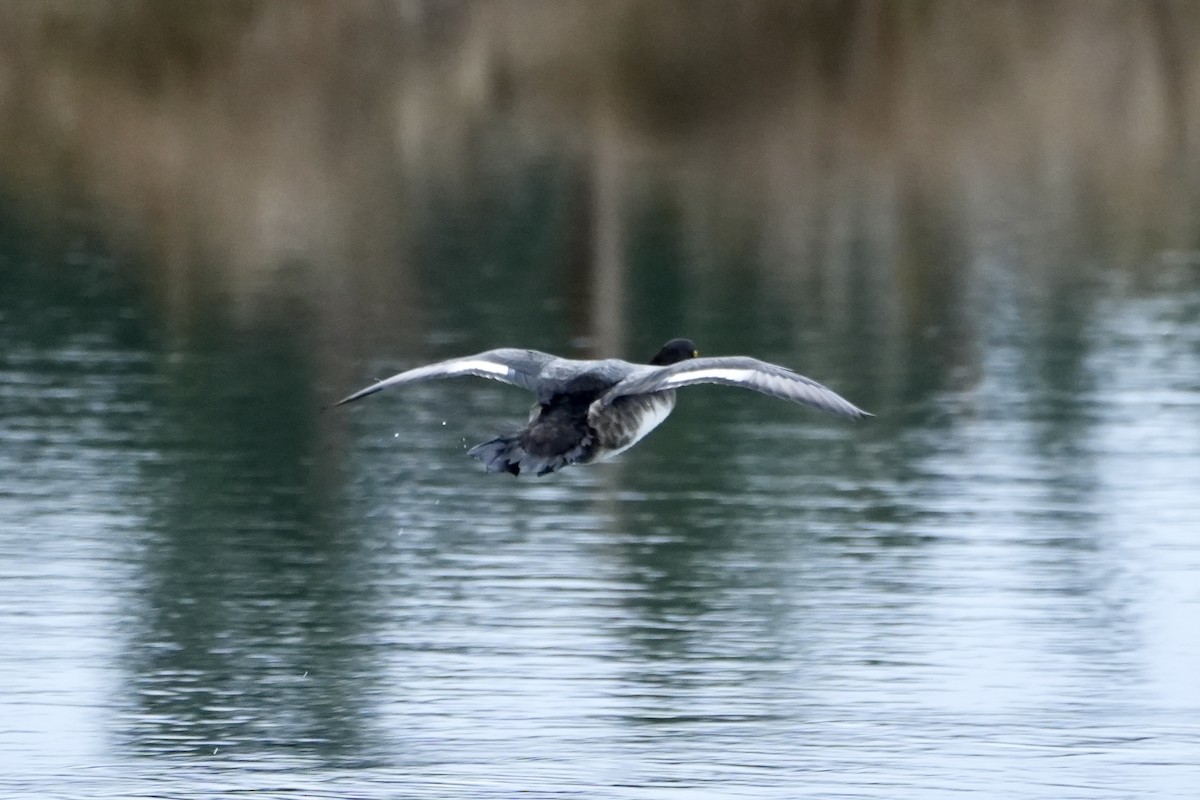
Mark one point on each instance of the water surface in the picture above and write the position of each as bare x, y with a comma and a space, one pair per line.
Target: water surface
979, 225
210, 586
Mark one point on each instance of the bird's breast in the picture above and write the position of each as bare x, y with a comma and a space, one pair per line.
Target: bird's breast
625, 422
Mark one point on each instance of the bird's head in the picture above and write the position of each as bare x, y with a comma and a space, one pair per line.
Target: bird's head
675, 351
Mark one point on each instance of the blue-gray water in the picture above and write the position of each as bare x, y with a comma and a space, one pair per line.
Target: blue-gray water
209, 585
214, 224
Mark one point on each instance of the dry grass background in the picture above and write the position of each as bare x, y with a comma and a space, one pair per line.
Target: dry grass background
237, 147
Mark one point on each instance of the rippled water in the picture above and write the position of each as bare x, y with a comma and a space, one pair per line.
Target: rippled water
209, 586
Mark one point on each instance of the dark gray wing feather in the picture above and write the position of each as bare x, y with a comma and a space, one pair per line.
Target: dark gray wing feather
518, 367
748, 373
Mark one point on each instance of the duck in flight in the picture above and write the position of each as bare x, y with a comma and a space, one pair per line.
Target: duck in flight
588, 411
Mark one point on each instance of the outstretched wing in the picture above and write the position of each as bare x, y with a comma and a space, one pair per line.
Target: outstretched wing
518, 367
749, 373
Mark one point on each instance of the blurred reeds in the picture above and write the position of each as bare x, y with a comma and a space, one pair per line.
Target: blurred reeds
240, 147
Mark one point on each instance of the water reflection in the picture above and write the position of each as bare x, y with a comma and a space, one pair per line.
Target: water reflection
829, 153
207, 582
248, 610
974, 587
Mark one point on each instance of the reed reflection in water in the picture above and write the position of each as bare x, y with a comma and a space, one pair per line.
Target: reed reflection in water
209, 586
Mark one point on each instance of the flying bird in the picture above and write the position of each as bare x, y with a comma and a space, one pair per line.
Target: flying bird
588, 411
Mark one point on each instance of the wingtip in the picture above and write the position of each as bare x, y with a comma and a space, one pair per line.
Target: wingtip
350, 398
850, 410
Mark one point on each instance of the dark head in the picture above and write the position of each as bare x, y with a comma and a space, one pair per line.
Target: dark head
675, 351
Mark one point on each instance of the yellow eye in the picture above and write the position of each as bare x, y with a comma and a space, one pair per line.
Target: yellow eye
695, 354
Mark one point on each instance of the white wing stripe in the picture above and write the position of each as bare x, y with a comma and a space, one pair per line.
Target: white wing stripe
476, 364
713, 373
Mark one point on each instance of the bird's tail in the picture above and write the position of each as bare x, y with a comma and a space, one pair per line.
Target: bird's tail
507, 454
502, 454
